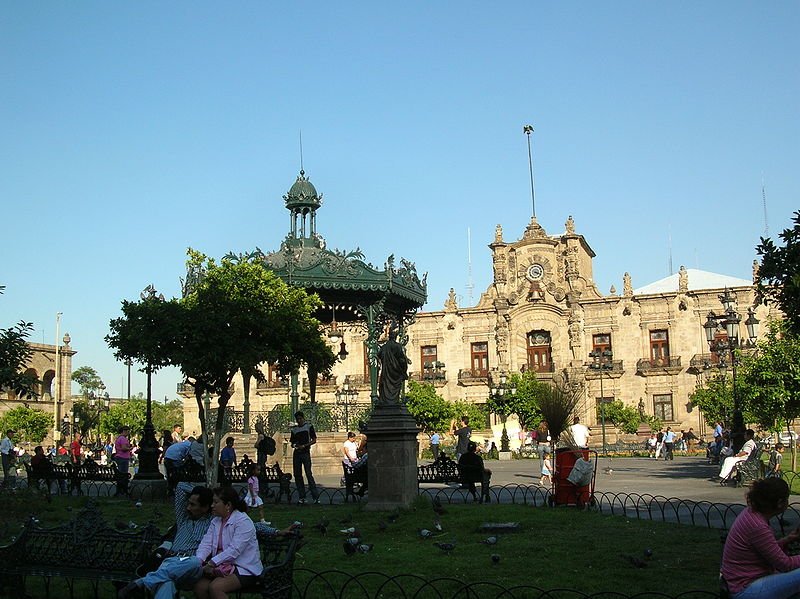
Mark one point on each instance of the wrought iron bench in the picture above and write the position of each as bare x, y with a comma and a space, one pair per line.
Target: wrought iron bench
85, 548
193, 472
88, 471
444, 470
751, 469
352, 477
277, 555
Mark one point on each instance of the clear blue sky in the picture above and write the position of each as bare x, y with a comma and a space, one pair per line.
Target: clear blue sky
131, 131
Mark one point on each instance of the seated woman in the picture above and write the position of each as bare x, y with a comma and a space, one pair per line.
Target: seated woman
229, 550
754, 563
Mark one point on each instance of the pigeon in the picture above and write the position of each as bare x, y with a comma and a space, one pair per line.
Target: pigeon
365, 547
424, 533
446, 547
495, 558
138, 504
437, 525
297, 524
648, 553
354, 541
348, 531
489, 540
382, 526
608, 470
348, 548
634, 561
132, 525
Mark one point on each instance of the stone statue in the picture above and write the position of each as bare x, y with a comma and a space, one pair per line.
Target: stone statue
450, 303
498, 234
570, 226
756, 267
683, 280
627, 288
641, 408
393, 367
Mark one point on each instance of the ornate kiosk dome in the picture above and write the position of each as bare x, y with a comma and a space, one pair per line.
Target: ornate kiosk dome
302, 194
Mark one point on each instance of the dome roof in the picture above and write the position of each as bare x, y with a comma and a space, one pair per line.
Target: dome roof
302, 194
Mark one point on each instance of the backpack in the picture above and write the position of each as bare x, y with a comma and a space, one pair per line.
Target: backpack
269, 446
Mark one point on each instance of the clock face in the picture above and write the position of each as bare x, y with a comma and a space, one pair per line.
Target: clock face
535, 272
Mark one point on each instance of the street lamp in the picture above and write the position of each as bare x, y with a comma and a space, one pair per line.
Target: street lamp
346, 397
501, 394
99, 405
602, 361
728, 323
433, 371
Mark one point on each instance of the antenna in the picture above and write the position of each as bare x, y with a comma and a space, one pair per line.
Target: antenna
470, 284
528, 129
301, 151
764, 203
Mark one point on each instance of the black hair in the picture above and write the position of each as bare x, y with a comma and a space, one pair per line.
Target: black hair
204, 495
465, 419
251, 468
472, 446
299, 414
350, 435
231, 496
766, 494
229, 441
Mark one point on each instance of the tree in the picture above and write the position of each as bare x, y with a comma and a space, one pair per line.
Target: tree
88, 379
778, 278
234, 315
31, 424
15, 353
715, 398
525, 402
475, 412
429, 409
625, 417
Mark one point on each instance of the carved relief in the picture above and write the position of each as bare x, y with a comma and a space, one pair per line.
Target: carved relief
501, 337
683, 280
627, 288
499, 264
756, 267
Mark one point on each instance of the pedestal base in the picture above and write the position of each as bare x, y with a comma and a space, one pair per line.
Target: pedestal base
392, 443
148, 489
504, 455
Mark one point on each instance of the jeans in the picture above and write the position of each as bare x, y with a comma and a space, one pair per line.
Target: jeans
122, 468
7, 460
783, 585
301, 460
173, 573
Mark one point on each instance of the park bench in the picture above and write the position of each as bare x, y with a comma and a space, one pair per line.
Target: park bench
191, 471
84, 548
277, 555
445, 471
76, 475
352, 477
751, 469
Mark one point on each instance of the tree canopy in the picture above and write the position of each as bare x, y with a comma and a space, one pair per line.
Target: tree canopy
15, 353
31, 424
88, 379
779, 273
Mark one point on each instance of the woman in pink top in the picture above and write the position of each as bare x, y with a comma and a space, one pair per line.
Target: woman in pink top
122, 458
754, 564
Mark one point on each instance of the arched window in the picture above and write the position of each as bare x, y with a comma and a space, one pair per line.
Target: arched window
539, 351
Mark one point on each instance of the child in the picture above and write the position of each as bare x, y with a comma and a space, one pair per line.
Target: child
775, 457
252, 499
547, 468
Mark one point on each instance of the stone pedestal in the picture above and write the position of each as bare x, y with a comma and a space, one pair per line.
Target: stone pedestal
504, 455
392, 444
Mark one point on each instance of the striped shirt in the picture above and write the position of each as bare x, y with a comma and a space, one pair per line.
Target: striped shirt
189, 532
752, 552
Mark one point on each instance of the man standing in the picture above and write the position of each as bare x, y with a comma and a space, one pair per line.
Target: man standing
462, 436
75, 450
179, 568
302, 438
7, 455
669, 444
580, 433
435, 440
177, 433
174, 457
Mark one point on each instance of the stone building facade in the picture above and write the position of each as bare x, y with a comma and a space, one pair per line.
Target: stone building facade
43, 366
544, 312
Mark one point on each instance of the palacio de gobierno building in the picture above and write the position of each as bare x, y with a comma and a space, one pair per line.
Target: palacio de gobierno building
542, 312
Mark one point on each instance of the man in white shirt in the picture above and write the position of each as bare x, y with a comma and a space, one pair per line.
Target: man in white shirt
7, 454
580, 433
730, 462
435, 440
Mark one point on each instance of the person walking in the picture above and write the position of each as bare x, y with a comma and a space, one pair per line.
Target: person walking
227, 457
547, 469
669, 444
302, 437
75, 450
435, 440
462, 436
7, 454
122, 458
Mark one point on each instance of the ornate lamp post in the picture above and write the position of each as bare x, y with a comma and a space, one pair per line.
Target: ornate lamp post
501, 394
602, 361
99, 405
722, 335
345, 398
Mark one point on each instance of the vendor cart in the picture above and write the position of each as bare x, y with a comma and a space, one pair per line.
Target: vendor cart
574, 476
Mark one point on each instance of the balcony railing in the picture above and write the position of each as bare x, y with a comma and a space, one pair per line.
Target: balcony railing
704, 361
322, 382
655, 366
188, 388
466, 375
280, 383
616, 369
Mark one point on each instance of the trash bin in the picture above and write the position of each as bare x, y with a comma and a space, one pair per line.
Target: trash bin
564, 491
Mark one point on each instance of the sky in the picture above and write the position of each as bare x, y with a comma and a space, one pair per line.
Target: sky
133, 131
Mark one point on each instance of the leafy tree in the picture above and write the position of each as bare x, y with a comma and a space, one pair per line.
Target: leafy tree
88, 379
715, 398
625, 417
475, 412
429, 409
165, 416
234, 315
779, 273
31, 424
130, 413
15, 353
525, 402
